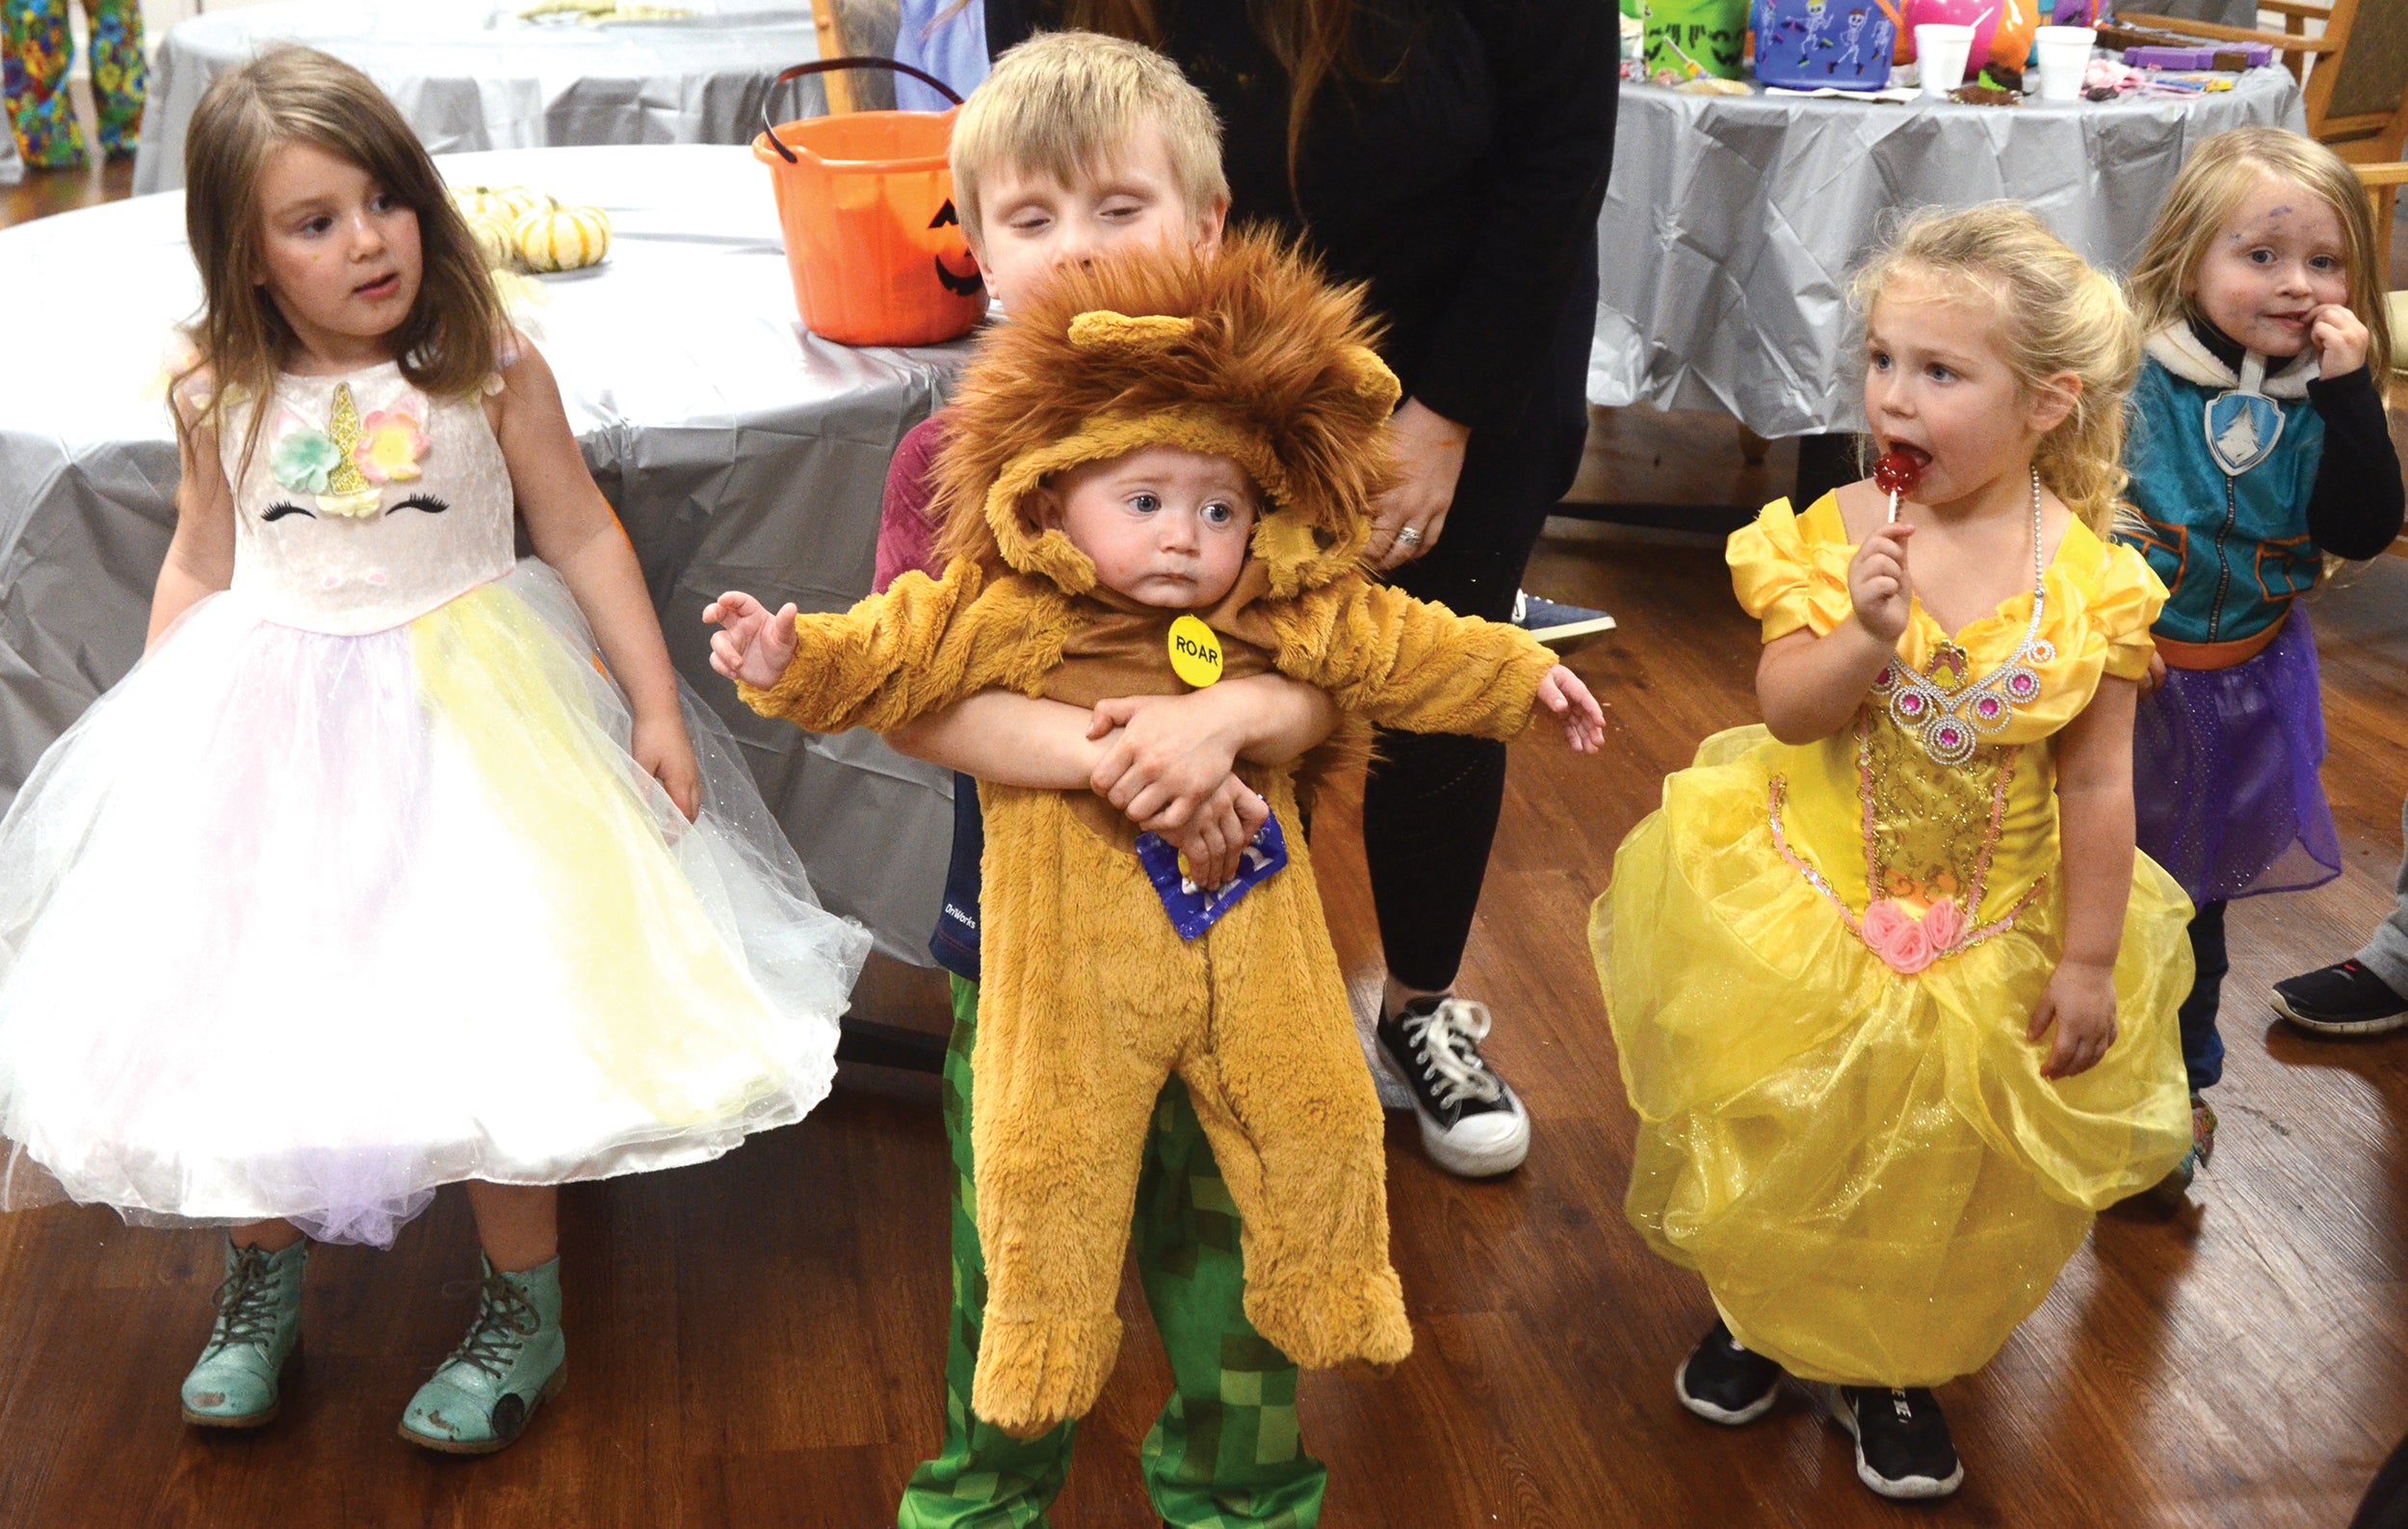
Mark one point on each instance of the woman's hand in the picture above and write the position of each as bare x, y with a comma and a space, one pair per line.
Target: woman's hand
1878, 586
752, 644
663, 752
1583, 720
1407, 521
2340, 339
2080, 1002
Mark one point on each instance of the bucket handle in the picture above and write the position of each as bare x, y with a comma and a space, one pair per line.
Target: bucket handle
823, 65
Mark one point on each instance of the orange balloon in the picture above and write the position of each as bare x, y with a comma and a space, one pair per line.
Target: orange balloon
2010, 46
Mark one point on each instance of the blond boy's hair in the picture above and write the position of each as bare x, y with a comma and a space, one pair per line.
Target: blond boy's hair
2214, 182
1066, 104
2056, 313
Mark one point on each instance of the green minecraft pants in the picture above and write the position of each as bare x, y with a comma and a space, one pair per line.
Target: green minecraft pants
1224, 1454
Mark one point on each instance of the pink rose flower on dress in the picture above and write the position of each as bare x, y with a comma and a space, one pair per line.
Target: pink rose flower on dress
1909, 942
391, 440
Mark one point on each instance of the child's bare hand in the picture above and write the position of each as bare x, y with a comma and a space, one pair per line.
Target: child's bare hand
1877, 584
661, 748
752, 644
2340, 339
1215, 835
2080, 1002
1583, 720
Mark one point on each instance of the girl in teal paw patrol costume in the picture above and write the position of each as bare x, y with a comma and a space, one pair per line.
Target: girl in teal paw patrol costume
2259, 448
34, 52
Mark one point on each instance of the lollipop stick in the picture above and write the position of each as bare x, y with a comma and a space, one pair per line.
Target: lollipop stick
1894, 507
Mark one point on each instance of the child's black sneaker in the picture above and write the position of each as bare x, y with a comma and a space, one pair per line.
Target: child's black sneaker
1903, 1444
1725, 1383
1556, 624
2341, 1000
1471, 1125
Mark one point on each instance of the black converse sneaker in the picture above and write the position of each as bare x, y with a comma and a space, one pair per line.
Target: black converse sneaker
1471, 1125
2343, 1000
1725, 1383
1903, 1444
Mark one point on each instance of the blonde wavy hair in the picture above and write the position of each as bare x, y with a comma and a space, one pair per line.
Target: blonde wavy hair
2055, 314
2213, 181
1066, 104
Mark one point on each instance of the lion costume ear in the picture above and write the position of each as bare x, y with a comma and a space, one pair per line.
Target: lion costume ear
1369, 377
1117, 334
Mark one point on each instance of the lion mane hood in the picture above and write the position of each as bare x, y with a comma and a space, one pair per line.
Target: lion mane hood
1247, 354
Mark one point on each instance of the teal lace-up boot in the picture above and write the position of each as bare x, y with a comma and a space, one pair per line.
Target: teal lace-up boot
258, 1328
510, 1363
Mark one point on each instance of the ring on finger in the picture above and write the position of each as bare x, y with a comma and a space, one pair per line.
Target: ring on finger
1410, 536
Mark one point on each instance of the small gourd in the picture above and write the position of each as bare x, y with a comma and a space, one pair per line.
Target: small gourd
477, 201
563, 238
520, 200
497, 240
509, 204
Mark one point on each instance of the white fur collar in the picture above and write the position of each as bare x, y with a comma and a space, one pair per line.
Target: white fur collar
2184, 353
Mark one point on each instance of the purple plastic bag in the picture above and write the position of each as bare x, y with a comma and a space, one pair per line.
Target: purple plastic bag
1194, 908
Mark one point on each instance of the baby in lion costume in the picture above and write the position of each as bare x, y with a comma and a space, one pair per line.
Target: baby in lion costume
1158, 440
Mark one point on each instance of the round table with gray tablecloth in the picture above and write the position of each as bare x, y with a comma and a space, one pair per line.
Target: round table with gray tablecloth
472, 74
740, 451
1732, 222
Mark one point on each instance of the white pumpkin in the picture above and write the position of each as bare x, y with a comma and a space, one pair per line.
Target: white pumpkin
563, 238
497, 240
520, 200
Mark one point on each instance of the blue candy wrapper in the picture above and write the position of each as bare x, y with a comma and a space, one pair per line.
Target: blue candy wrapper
1194, 908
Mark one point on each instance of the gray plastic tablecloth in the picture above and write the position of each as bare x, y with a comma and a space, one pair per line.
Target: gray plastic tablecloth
740, 451
1732, 222
469, 75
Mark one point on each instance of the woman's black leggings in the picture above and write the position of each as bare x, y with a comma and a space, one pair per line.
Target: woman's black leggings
1431, 804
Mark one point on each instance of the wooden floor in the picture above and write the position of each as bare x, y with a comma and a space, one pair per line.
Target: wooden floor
759, 1341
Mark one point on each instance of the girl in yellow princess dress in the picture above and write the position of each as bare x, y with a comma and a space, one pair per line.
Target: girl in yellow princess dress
1893, 994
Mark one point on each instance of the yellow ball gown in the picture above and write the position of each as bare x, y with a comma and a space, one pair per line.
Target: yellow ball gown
1820, 961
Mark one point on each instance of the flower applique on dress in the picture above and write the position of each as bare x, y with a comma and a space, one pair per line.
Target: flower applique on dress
392, 441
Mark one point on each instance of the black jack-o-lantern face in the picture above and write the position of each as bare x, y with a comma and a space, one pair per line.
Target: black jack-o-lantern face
961, 286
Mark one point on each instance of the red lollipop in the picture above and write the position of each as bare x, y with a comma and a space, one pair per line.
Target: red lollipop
1897, 473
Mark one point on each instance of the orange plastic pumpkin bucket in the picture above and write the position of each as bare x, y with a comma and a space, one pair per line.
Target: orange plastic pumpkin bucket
866, 204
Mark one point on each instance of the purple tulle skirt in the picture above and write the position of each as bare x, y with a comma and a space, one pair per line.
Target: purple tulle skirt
2224, 763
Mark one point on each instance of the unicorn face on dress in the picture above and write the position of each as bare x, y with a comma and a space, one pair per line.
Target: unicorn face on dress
340, 253
2280, 257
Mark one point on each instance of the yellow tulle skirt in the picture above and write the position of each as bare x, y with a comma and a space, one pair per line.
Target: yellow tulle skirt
1868, 1169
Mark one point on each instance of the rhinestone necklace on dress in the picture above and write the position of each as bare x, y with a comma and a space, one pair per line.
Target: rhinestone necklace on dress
1949, 720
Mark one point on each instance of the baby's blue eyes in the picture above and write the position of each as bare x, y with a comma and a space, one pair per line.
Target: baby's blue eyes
1219, 514
1145, 504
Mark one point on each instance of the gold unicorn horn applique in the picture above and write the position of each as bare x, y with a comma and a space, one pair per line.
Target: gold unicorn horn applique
348, 491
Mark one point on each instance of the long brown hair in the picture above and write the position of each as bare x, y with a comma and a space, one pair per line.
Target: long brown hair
1313, 41
449, 343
